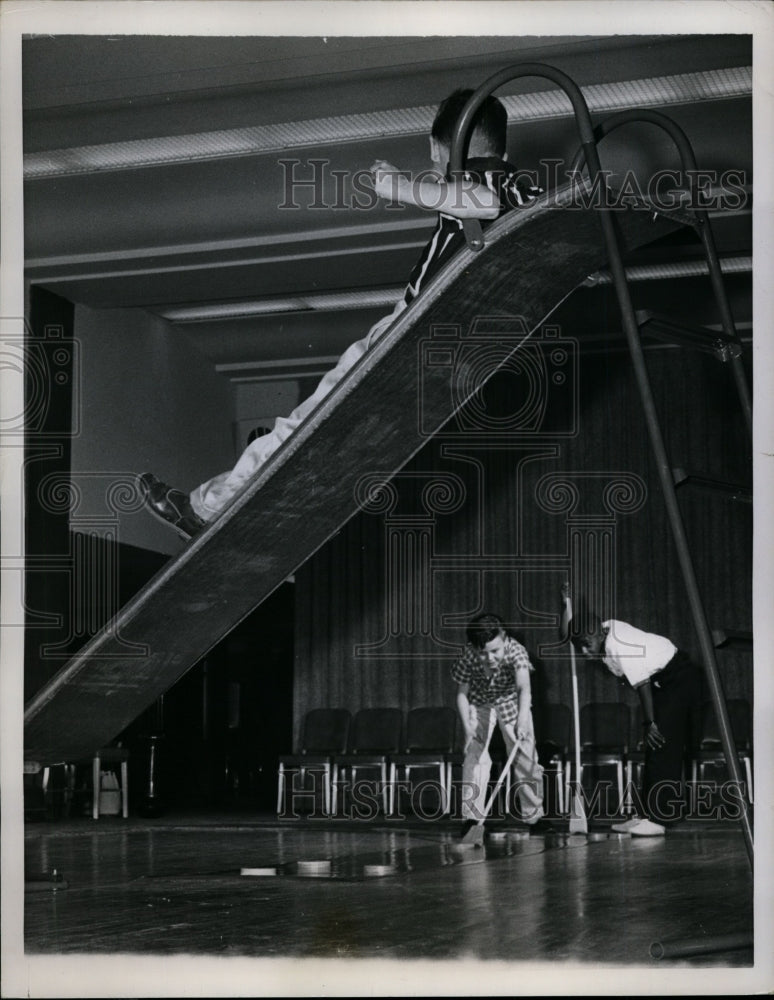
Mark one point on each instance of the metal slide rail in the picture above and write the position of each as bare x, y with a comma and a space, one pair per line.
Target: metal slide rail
631, 328
703, 227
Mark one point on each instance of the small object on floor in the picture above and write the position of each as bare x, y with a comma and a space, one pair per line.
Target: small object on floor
258, 871
314, 867
379, 870
646, 828
690, 947
627, 825
596, 836
170, 505
498, 835
518, 834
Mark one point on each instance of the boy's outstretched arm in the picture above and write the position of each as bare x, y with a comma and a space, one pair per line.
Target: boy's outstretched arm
463, 199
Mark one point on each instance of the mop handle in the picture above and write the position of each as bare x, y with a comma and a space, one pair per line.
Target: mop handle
501, 778
576, 710
575, 705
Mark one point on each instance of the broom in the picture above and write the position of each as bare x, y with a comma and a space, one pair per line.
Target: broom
475, 834
578, 823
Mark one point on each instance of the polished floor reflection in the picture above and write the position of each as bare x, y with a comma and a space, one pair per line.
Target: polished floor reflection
372, 890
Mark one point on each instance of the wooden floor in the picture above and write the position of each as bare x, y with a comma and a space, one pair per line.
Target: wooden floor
173, 887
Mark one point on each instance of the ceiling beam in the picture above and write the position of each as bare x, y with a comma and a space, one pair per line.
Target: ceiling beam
662, 92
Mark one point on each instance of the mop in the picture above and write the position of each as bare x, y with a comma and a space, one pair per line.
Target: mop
475, 834
578, 823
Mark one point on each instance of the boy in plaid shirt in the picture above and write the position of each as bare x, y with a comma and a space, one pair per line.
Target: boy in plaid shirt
493, 683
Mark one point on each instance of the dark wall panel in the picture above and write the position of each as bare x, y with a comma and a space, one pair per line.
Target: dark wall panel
472, 523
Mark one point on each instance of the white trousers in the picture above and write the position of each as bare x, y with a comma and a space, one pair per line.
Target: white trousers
527, 772
209, 499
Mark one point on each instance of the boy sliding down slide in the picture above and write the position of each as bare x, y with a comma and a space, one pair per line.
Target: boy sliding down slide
490, 188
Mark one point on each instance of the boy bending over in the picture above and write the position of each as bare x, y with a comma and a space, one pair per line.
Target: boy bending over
493, 685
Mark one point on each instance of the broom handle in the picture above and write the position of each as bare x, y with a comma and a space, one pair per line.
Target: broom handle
501, 778
576, 714
575, 701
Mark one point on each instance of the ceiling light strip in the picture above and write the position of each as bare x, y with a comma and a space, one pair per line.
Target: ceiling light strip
334, 302
137, 153
679, 269
341, 301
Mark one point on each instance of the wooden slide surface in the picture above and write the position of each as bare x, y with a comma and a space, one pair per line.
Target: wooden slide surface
402, 391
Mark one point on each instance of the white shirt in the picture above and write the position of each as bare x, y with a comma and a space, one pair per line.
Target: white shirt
634, 654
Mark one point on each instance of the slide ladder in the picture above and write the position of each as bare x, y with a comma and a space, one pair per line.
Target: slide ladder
727, 345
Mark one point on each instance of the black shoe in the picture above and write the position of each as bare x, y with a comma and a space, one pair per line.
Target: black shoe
467, 825
540, 827
170, 505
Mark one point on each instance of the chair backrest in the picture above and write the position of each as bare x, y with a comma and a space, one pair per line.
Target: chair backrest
377, 730
326, 730
604, 725
431, 729
740, 718
553, 725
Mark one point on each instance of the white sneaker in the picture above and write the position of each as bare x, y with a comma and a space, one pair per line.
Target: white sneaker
627, 826
647, 828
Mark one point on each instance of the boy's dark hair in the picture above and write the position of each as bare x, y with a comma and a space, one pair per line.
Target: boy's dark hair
483, 628
582, 626
490, 120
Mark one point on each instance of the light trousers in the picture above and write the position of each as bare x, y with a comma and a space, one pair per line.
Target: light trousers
477, 764
210, 498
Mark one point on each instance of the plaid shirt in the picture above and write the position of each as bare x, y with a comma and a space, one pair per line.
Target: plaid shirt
498, 690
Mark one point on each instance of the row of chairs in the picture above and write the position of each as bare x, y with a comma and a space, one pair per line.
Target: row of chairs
343, 747
606, 740
382, 742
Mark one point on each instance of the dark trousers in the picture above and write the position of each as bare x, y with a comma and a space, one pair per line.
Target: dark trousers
676, 692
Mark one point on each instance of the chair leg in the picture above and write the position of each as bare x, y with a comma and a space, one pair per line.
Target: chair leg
327, 788
335, 794
559, 779
280, 787
69, 790
96, 774
619, 775
629, 804
125, 789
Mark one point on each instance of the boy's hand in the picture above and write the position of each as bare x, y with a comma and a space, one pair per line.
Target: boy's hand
654, 737
386, 178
